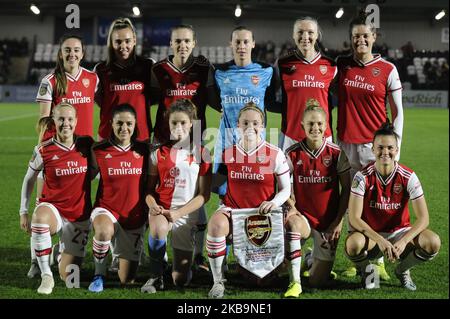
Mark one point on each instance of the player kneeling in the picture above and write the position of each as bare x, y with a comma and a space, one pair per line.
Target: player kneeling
180, 184
65, 204
252, 168
318, 167
120, 212
378, 210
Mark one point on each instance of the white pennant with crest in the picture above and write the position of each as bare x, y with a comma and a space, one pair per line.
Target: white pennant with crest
258, 240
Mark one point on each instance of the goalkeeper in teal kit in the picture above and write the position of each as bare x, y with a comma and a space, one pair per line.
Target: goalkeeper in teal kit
240, 81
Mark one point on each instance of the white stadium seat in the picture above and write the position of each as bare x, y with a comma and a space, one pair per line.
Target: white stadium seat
411, 69
417, 61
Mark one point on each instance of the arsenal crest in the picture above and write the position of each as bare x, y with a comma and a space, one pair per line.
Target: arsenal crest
255, 79
326, 160
260, 158
136, 154
398, 188
323, 69
86, 83
258, 229
376, 71
174, 171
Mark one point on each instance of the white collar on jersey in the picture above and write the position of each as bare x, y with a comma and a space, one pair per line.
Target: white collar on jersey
388, 179
119, 147
249, 152
313, 153
186, 66
376, 58
304, 60
62, 146
76, 77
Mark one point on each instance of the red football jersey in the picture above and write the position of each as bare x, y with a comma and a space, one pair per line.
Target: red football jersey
178, 173
123, 176
301, 80
67, 182
80, 93
190, 82
251, 176
363, 88
386, 199
119, 85
315, 177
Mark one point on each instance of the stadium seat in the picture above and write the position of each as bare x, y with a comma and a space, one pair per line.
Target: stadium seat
196, 51
411, 70
424, 60
391, 53
399, 54
204, 51
138, 49
104, 52
417, 61
421, 78
442, 60
40, 47
47, 56
406, 86
154, 56
38, 57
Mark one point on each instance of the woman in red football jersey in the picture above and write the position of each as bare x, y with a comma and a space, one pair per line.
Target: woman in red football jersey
320, 186
120, 212
124, 78
65, 203
378, 211
252, 168
180, 184
69, 83
305, 72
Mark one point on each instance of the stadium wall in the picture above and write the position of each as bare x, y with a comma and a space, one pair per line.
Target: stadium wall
422, 34
28, 26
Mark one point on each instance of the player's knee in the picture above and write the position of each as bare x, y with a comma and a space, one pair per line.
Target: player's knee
354, 244
218, 225
42, 216
159, 230
298, 225
103, 229
159, 227
432, 243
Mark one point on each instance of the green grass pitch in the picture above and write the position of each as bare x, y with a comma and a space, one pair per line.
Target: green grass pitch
425, 149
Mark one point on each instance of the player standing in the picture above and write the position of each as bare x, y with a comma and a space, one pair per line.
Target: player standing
238, 82
120, 212
68, 83
303, 73
378, 211
124, 78
65, 204
318, 168
365, 82
184, 76
180, 184
266, 168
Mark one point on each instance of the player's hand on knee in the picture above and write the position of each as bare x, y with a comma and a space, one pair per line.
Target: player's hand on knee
265, 208
170, 215
155, 210
387, 249
399, 247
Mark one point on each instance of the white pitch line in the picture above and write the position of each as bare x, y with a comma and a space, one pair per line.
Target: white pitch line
12, 118
18, 138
